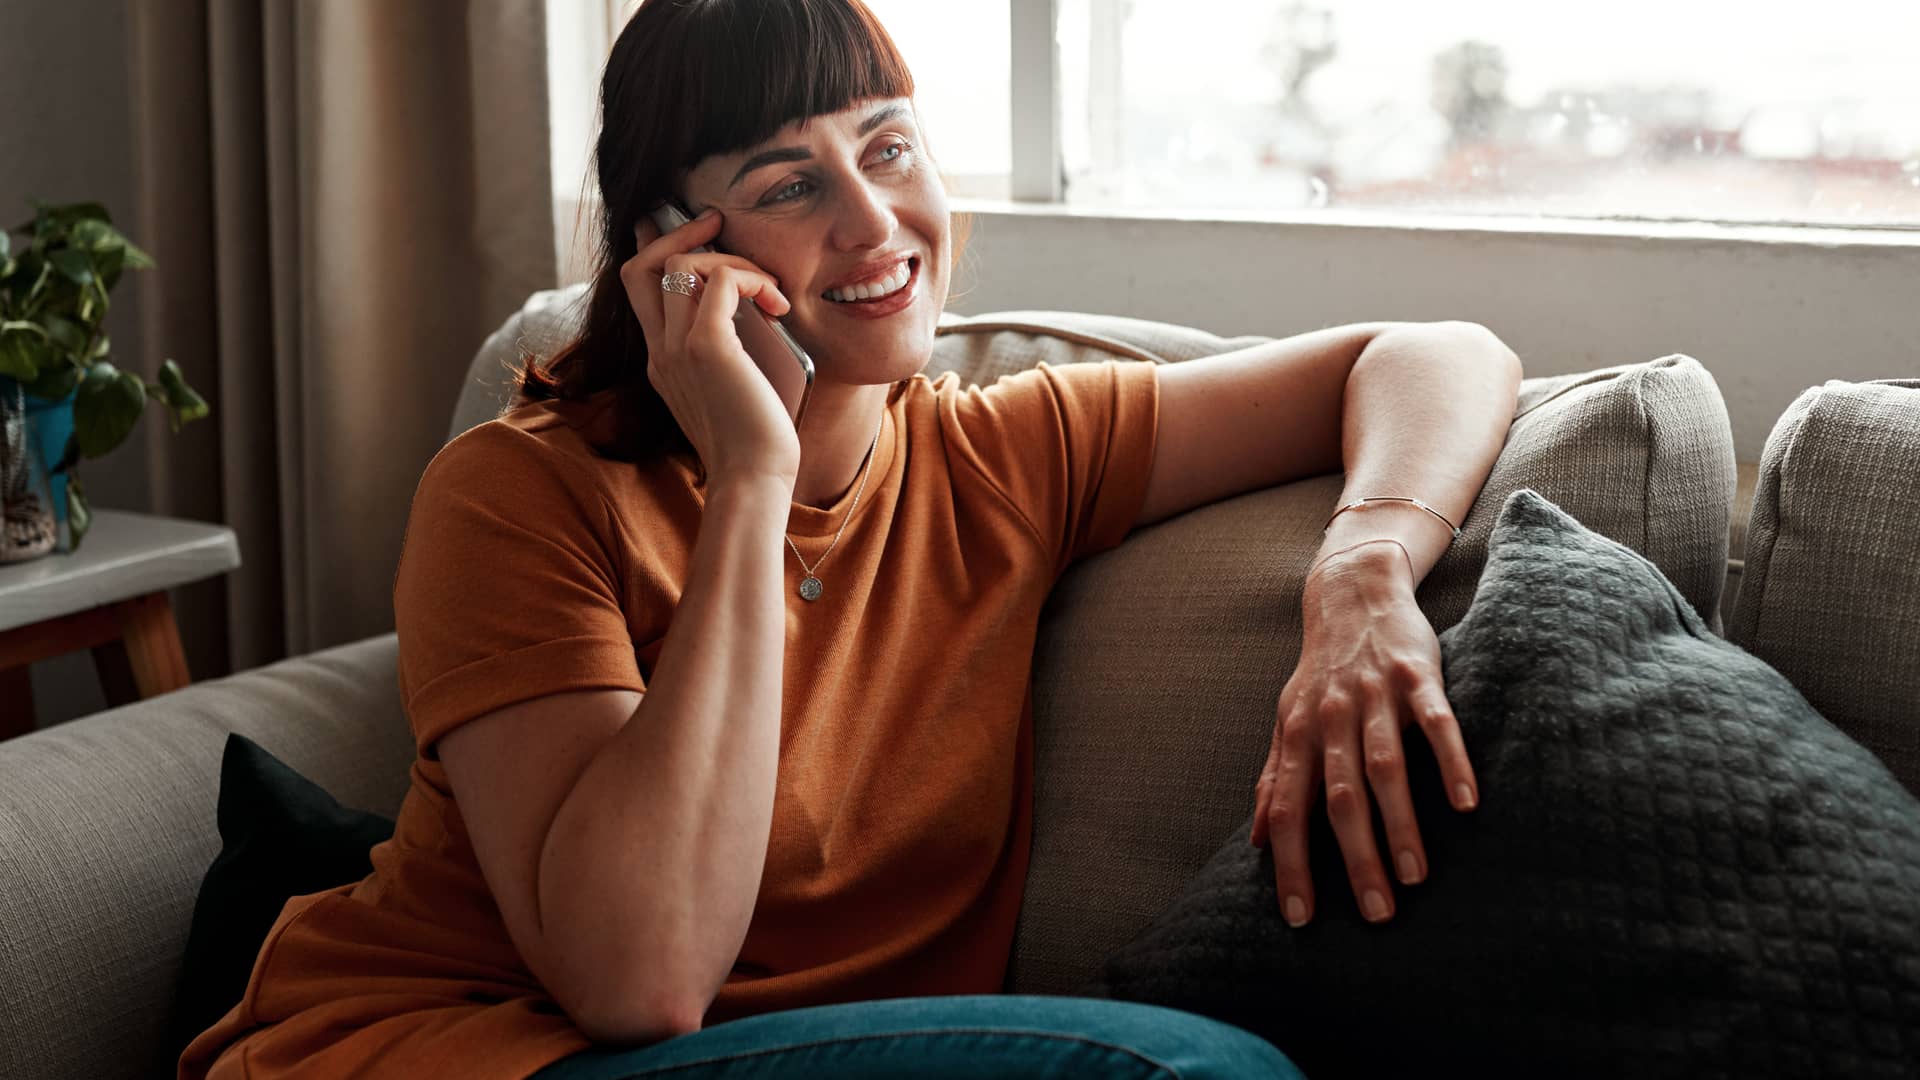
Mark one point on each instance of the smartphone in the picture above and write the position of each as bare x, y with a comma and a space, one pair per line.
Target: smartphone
780, 358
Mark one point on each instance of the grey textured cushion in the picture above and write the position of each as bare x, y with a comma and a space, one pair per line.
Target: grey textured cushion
1831, 590
1677, 868
1159, 663
107, 825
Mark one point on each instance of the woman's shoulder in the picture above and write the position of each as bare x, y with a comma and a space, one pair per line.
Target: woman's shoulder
547, 435
528, 456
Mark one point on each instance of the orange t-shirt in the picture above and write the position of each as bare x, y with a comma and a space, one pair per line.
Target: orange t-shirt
903, 807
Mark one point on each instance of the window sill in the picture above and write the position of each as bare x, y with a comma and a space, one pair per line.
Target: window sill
1823, 236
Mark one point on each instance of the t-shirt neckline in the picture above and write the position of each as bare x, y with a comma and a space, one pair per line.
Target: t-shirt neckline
816, 522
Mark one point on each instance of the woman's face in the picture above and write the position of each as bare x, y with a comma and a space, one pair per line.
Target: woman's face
820, 203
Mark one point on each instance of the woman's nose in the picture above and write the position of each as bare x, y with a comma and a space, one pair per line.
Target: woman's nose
866, 218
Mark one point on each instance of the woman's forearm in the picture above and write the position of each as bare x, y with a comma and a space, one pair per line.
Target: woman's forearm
652, 866
1425, 415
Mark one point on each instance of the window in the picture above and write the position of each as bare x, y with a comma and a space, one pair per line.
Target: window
579, 35
962, 75
1709, 109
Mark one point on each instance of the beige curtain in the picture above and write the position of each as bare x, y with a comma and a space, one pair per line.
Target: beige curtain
344, 197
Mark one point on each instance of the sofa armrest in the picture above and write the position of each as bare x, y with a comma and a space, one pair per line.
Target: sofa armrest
107, 827
1830, 592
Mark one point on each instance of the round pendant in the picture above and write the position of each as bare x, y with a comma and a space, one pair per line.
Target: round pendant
810, 588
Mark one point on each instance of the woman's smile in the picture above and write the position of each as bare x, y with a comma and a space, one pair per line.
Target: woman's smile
885, 303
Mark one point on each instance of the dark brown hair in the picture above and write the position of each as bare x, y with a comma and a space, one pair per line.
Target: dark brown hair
685, 80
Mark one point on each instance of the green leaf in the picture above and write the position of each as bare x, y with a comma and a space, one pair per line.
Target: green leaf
179, 398
17, 360
56, 381
66, 333
101, 348
32, 272
95, 235
108, 405
73, 264
110, 262
79, 514
24, 350
6, 244
137, 259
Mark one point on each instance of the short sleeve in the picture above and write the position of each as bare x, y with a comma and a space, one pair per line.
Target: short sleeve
1070, 448
509, 587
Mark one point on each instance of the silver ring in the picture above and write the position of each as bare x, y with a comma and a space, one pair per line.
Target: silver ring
683, 282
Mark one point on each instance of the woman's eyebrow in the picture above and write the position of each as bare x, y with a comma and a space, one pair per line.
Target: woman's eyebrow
801, 153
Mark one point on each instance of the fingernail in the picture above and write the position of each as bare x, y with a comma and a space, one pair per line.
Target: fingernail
1375, 904
707, 213
1296, 911
1463, 795
1409, 868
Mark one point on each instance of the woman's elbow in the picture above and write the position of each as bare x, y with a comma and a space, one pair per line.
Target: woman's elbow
628, 1022
1506, 356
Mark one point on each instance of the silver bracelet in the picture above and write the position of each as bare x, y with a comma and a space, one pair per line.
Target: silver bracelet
1357, 503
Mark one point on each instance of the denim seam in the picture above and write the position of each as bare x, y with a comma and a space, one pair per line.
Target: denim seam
1128, 1050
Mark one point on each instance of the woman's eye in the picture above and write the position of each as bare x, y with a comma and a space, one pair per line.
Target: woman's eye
780, 196
783, 195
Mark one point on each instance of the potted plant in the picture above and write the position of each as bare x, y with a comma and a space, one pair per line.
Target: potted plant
53, 304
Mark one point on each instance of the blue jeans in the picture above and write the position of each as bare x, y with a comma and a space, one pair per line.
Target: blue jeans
949, 1038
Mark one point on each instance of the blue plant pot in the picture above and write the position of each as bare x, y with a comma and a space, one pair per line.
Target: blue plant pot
49, 425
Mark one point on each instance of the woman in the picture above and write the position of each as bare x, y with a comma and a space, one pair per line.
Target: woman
675, 804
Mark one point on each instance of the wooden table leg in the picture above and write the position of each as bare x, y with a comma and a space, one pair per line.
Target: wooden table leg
116, 673
16, 701
153, 643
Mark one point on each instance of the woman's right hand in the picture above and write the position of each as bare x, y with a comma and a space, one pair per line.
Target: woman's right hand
730, 412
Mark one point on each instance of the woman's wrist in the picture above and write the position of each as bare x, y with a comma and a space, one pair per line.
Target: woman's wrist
1378, 565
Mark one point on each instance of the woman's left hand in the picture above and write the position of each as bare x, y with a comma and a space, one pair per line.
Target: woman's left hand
1369, 665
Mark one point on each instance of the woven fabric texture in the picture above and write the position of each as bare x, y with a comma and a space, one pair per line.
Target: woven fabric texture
1831, 591
107, 827
1677, 869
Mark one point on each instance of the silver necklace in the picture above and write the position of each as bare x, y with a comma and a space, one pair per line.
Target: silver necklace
810, 585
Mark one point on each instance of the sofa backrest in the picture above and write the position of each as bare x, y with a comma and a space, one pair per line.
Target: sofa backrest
548, 320
1831, 591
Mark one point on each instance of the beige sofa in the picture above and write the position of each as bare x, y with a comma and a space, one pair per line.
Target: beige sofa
1157, 668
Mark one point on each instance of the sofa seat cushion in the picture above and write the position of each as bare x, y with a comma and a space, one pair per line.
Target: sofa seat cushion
1159, 664
1678, 868
1830, 593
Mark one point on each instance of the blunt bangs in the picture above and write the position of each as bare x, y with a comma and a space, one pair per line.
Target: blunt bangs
769, 63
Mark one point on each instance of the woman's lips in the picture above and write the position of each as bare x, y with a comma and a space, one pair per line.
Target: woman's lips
892, 304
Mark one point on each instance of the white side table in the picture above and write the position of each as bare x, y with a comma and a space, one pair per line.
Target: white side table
111, 597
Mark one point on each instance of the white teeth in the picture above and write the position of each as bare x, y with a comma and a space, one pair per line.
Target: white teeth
890, 283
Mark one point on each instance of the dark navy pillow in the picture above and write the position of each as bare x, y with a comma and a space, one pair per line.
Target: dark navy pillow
1677, 867
283, 836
